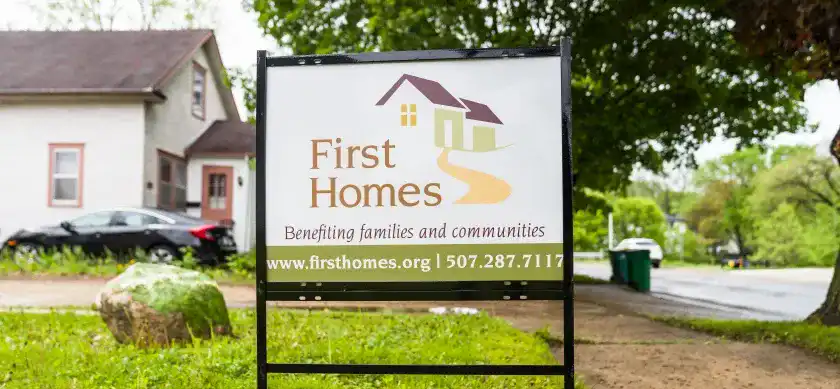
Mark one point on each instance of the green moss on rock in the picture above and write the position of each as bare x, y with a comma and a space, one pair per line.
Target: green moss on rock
152, 303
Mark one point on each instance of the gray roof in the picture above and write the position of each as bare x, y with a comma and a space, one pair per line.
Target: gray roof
93, 61
225, 137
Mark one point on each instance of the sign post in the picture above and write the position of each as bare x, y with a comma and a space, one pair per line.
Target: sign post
441, 175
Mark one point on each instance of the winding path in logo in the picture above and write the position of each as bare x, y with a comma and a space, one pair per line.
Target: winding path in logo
484, 188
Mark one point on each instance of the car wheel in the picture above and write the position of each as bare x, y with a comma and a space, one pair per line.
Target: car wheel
162, 254
656, 264
27, 253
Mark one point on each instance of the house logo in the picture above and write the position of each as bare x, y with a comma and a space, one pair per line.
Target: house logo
458, 125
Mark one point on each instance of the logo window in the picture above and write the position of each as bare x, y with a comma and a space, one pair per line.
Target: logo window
408, 115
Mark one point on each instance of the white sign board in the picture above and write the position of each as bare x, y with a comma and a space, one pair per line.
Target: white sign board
415, 171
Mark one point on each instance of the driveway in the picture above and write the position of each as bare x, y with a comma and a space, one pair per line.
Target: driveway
762, 294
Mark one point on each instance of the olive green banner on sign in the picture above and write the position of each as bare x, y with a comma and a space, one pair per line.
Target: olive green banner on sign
406, 263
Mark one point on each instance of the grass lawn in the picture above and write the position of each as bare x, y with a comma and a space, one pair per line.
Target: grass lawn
820, 339
72, 264
63, 350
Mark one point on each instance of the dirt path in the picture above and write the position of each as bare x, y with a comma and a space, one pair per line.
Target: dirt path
616, 347
484, 188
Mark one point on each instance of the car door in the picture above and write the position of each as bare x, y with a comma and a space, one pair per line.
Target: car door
130, 231
87, 232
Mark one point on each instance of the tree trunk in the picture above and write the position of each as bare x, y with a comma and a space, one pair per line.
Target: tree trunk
829, 312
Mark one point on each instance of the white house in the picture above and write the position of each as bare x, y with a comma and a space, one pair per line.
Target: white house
98, 119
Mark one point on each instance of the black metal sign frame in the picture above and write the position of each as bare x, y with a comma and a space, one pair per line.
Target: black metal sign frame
417, 291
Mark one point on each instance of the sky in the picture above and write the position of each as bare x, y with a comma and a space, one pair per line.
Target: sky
239, 39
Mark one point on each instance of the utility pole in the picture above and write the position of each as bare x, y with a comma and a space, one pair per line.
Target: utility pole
610, 230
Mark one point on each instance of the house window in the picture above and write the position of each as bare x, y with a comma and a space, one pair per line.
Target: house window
66, 175
172, 182
199, 85
408, 115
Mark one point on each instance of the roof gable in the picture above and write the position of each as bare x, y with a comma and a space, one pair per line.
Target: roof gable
432, 90
480, 112
93, 61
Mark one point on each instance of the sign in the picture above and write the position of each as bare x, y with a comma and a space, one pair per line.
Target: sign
422, 175
428, 171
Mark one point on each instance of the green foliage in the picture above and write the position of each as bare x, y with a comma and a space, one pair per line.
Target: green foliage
817, 338
790, 239
672, 202
638, 217
244, 265
237, 77
722, 212
803, 179
822, 235
63, 341
768, 201
646, 73
798, 204
67, 261
590, 230
706, 215
71, 261
780, 238
798, 34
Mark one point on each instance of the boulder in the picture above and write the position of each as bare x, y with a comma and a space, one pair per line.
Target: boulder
151, 304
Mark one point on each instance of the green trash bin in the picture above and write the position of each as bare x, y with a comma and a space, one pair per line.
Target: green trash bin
638, 269
618, 263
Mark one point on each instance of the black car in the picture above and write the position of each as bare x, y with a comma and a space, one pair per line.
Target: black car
162, 234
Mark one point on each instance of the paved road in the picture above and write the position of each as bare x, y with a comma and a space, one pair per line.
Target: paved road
762, 294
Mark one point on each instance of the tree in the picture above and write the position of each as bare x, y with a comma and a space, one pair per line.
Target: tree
672, 201
795, 34
780, 238
653, 79
244, 80
108, 15
790, 238
706, 214
590, 230
801, 178
811, 185
722, 213
638, 217
802, 34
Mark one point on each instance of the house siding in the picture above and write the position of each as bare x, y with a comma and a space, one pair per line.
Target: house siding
113, 140
171, 126
241, 194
